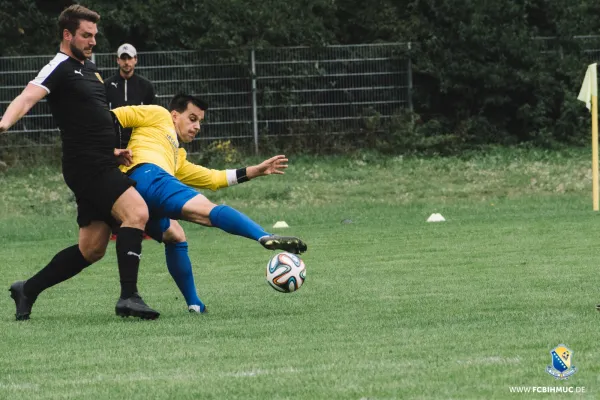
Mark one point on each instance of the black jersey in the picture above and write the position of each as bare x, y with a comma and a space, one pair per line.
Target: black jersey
77, 100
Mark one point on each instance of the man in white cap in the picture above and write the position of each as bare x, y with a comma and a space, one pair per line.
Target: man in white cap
127, 88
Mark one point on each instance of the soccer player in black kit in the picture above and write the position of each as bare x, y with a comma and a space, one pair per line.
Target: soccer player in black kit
105, 196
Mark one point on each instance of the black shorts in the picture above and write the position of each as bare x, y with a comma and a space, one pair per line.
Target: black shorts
96, 196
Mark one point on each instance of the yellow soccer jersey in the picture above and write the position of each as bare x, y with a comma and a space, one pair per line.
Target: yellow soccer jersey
154, 141
201, 177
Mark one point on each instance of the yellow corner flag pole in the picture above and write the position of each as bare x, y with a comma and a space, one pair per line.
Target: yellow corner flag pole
589, 95
595, 195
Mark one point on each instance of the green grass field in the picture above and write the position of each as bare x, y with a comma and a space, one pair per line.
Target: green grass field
393, 307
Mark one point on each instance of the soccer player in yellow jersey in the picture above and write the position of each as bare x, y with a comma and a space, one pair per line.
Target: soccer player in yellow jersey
165, 179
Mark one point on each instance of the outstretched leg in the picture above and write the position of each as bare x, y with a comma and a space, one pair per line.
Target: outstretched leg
64, 265
201, 211
67, 263
168, 197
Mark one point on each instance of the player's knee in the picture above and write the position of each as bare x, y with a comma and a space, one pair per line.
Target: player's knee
141, 215
198, 210
202, 219
93, 254
175, 234
136, 216
131, 209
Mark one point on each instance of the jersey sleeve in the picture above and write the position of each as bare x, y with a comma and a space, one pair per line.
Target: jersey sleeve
197, 176
51, 76
137, 116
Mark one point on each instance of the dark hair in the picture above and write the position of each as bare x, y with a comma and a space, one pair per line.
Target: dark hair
180, 102
71, 17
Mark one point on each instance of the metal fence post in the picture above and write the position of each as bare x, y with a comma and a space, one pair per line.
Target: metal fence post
254, 106
409, 78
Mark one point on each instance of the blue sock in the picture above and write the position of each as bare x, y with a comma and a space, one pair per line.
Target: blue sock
232, 221
180, 268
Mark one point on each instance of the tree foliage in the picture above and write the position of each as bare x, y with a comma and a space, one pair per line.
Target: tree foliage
480, 74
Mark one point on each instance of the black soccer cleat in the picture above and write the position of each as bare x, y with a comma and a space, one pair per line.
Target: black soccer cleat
134, 306
286, 243
22, 302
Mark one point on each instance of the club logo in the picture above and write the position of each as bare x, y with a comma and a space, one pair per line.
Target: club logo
562, 363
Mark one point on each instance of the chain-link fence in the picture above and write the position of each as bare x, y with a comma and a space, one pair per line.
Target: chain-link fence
37, 127
251, 93
588, 45
591, 47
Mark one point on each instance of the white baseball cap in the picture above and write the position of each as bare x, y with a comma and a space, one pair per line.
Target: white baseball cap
126, 48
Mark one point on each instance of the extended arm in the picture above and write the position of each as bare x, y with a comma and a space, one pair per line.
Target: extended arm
21, 105
204, 178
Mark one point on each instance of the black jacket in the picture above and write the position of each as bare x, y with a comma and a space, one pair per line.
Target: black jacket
134, 91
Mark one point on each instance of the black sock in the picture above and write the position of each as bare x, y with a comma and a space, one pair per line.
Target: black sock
65, 264
129, 254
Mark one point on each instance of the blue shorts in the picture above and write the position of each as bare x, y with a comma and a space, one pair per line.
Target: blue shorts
164, 195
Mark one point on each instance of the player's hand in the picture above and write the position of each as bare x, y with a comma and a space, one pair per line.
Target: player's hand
274, 165
3, 128
124, 156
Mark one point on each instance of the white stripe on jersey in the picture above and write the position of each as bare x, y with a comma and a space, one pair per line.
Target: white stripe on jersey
47, 70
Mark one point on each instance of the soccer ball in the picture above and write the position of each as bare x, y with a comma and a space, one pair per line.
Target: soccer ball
285, 272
